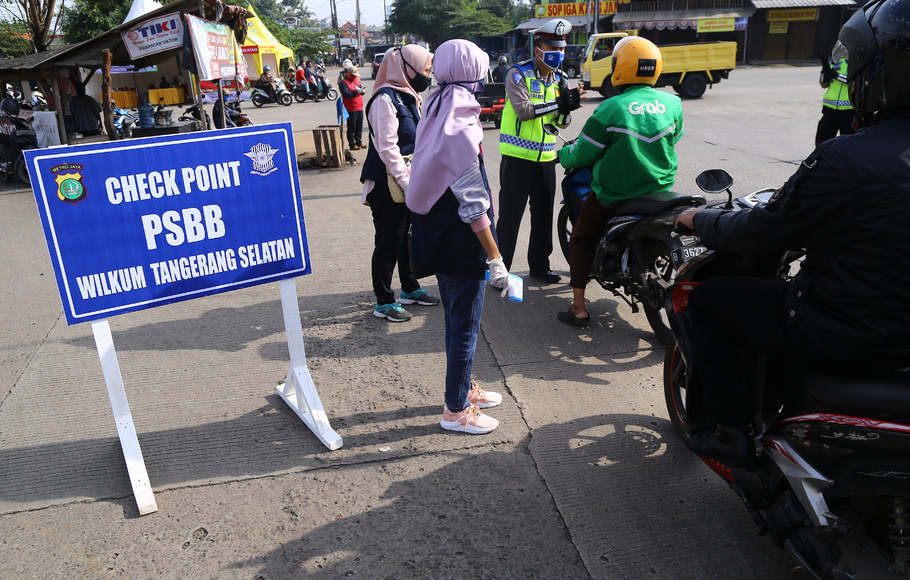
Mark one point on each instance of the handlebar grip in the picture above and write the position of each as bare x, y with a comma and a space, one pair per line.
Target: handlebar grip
682, 230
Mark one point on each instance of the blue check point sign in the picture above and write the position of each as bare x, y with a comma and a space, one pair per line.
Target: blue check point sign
145, 222
140, 223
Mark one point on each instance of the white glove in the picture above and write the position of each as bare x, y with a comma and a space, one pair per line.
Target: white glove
499, 275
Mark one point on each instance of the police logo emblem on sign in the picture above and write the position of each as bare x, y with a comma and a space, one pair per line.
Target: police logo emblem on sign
261, 154
70, 188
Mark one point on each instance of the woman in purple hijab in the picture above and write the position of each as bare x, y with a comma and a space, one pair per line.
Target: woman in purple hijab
452, 227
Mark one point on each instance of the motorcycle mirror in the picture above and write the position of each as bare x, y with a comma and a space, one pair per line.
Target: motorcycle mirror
550, 129
714, 180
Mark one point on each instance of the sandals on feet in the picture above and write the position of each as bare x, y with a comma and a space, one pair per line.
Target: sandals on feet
569, 318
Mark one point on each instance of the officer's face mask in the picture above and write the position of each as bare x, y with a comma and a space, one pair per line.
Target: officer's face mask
551, 58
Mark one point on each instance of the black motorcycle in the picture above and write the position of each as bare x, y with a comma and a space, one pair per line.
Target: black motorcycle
304, 92
192, 114
832, 484
634, 255
16, 135
234, 116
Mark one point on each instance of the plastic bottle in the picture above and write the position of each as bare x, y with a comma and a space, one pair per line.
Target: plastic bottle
146, 115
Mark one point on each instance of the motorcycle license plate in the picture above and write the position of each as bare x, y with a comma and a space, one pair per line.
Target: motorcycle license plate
682, 255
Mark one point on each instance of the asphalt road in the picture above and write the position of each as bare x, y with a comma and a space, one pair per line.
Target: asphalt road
584, 479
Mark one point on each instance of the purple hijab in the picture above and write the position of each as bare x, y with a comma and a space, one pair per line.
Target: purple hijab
449, 133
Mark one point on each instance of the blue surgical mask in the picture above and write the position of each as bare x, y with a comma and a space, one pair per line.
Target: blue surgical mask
552, 58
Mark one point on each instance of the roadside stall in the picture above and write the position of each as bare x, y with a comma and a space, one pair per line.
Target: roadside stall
153, 39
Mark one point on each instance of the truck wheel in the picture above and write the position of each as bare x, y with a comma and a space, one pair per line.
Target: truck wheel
693, 86
571, 72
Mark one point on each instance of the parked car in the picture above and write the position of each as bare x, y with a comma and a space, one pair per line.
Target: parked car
571, 65
377, 60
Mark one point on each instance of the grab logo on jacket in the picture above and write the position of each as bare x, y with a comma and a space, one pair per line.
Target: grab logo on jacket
655, 108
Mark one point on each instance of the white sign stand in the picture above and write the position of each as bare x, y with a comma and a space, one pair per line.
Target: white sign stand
298, 390
129, 442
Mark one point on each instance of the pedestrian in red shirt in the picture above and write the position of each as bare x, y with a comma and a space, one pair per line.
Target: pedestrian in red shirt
352, 97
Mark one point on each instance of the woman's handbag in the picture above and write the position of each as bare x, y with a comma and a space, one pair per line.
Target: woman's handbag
394, 188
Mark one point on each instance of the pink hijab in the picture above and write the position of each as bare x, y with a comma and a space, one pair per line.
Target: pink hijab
449, 133
394, 73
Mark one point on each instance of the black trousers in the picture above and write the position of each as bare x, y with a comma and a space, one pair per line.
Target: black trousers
391, 222
727, 321
832, 121
355, 128
522, 183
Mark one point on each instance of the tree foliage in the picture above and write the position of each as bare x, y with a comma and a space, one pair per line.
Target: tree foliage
14, 40
86, 19
435, 21
36, 15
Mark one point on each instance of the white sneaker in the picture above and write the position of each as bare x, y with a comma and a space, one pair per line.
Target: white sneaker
481, 398
471, 421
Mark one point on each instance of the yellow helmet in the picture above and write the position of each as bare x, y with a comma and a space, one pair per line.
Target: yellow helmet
636, 61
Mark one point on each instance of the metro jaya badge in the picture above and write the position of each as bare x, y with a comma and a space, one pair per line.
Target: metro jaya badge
70, 188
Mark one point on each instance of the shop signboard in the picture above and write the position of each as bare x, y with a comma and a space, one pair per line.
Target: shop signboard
793, 15
154, 36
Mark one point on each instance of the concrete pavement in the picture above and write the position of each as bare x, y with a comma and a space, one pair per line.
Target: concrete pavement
584, 478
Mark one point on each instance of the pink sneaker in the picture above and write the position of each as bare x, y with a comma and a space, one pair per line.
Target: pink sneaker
481, 398
471, 421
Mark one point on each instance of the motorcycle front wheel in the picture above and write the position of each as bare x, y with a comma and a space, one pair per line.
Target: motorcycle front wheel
258, 100
285, 99
675, 387
332, 94
299, 96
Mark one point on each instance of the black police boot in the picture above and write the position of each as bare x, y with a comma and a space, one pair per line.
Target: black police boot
730, 445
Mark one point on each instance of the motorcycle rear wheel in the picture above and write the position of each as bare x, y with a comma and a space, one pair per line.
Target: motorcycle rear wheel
675, 388
22, 170
564, 229
658, 262
332, 94
258, 100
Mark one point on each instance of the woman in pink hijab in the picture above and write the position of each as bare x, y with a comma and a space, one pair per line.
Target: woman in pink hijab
453, 232
393, 113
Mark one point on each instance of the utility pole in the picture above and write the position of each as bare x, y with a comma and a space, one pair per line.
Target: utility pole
359, 37
335, 28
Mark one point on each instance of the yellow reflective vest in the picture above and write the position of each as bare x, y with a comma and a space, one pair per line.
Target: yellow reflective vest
526, 139
837, 97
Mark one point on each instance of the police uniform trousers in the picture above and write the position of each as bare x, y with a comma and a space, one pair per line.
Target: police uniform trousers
832, 122
524, 182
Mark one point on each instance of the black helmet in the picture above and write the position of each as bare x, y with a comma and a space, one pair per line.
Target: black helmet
876, 43
9, 106
503, 60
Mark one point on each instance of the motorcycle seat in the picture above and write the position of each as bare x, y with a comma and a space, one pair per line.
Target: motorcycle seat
868, 390
657, 203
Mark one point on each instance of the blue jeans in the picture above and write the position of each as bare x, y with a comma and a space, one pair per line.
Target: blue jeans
462, 302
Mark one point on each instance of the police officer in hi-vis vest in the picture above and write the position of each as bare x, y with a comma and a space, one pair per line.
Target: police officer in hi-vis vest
536, 94
837, 112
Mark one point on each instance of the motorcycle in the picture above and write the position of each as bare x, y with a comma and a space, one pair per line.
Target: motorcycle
233, 117
302, 91
282, 96
124, 121
634, 256
192, 114
15, 137
832, 482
